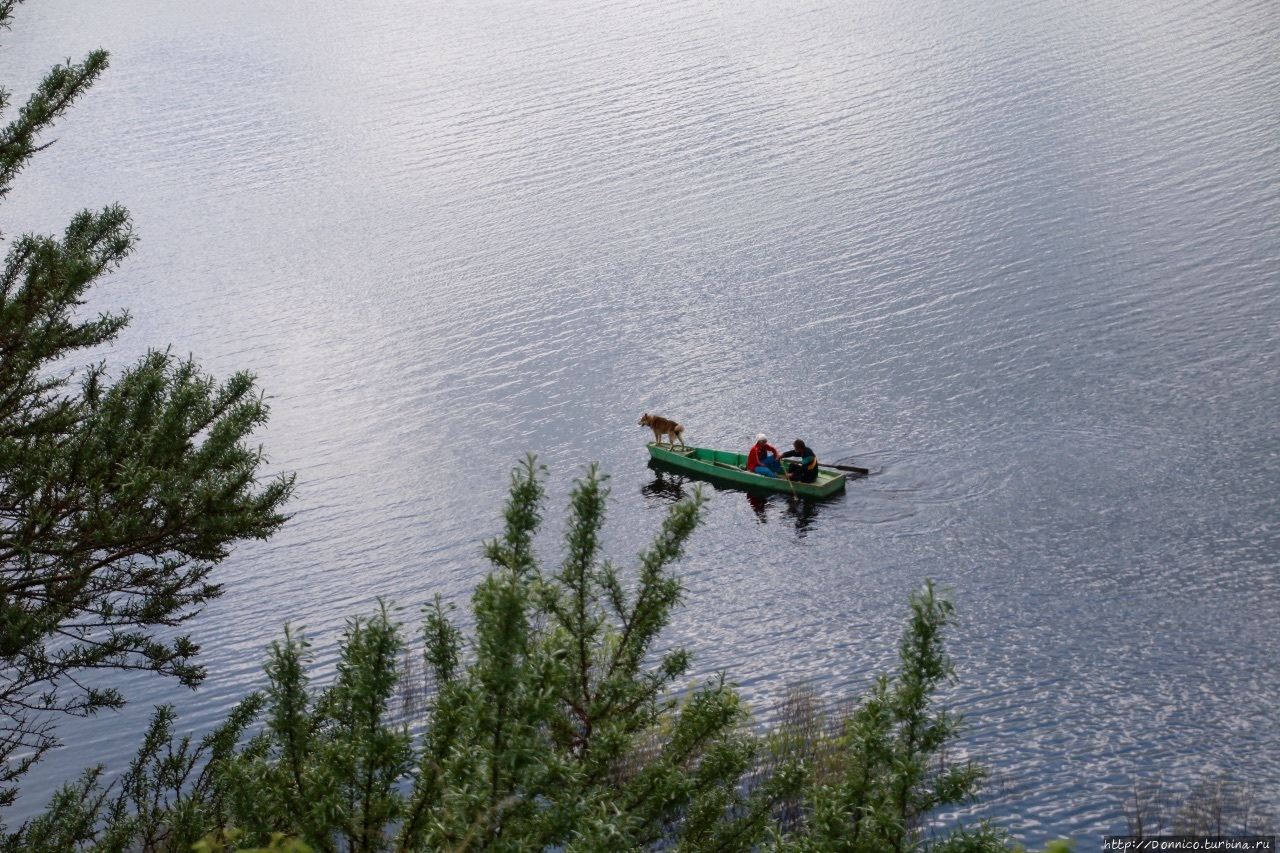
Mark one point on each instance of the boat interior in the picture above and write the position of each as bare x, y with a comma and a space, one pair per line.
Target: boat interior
724, 458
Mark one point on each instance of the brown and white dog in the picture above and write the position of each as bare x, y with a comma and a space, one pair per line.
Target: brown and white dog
661, 427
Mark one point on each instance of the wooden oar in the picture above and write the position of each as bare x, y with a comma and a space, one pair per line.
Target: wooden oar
852, 468
786, 475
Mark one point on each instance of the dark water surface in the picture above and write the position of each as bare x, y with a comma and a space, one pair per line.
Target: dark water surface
1021, 258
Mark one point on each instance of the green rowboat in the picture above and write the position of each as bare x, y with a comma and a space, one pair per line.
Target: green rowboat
727, 468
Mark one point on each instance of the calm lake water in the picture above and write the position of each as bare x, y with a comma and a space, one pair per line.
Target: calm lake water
1022, 258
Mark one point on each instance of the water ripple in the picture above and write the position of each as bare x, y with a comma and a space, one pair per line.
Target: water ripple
1019, 261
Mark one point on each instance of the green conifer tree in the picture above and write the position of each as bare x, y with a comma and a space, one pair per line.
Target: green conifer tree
884, 765
117, 496
564, 729
553, 724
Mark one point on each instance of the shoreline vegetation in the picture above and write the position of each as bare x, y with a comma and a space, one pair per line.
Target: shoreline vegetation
552, 724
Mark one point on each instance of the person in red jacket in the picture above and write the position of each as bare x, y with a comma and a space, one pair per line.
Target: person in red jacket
762, 458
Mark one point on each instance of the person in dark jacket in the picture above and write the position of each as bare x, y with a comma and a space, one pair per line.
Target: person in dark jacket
806, 470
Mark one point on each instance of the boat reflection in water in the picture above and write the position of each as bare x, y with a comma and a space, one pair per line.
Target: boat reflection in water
798, 510
668, 487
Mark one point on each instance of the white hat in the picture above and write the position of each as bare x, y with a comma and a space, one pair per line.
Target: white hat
761, 437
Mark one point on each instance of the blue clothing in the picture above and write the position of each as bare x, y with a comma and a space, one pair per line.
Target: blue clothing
769, 466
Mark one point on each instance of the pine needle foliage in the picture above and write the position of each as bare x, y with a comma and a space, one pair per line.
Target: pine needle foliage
563, 728
881, 767
117, 497
556, 722
166, 800
325, 770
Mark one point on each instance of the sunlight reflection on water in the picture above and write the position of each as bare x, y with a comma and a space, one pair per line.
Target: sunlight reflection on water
1021, 262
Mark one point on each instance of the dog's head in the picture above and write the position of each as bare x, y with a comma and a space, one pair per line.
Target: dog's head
645, 419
